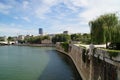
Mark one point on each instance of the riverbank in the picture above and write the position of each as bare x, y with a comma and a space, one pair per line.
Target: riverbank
92, 67
68, 59
36, 45
77, 67
3, 44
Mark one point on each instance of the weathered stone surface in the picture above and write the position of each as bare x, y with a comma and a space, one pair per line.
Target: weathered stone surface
95, 67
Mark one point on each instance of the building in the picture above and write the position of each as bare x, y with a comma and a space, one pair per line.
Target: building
40, 31
27, 36
3, 38
46, 41
14, 38
21, 37
51, 35
65, 32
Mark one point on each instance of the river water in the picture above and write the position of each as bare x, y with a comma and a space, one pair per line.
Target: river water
35, 63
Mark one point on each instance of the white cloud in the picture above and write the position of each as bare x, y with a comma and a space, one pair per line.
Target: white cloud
23, 18
72, 28
26, 19
40, 12
14, 31
49, 2
79, 3
92, 9
25, 5
16, 17
96, 8
60, 19
75, 4
45, 7
4, 8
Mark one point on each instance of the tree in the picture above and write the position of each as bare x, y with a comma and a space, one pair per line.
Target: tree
60, 38
65, 46
115, 39
34, 40
109, 22
45, 37
75, 37
101, 28
97, 33
2, 39
86, 38
10, 38
21, 41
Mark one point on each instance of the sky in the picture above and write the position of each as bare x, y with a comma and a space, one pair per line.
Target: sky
22, 17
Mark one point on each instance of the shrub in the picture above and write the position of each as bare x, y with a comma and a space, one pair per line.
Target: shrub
65, 45
83, 55
113, 53
115, 46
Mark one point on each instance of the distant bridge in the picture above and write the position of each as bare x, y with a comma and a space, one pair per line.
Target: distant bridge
6, 42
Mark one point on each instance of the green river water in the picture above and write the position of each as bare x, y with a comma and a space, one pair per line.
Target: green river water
35, 63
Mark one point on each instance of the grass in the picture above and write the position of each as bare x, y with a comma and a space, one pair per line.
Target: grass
112, 53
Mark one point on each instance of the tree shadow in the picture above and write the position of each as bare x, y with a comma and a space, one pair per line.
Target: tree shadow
59, 67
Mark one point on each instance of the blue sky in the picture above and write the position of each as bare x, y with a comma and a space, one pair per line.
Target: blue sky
21, 17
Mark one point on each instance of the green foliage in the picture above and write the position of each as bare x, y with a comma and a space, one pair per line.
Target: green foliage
83, 38
10, 39
83, 55
114, 46
65, 45
60, 38
76, 37
97, 33
1, 39
94, 50
115, 38
113, 53
86, 38
98, 59
34, 40
45, 37
109, 20
102, 29
21, 41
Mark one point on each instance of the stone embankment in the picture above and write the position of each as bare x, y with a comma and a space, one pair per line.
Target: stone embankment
36, 45
93, 64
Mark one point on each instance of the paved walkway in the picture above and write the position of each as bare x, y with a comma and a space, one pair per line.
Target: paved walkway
87, 46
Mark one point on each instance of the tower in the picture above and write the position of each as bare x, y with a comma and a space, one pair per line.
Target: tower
65, 32
40, 31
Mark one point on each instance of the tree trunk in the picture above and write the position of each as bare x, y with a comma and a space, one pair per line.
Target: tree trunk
106, 45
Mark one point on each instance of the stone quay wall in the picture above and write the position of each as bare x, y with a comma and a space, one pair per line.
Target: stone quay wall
97, 66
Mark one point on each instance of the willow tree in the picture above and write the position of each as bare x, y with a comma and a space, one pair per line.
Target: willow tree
97, 31
115, 38
101, 28
109, 22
